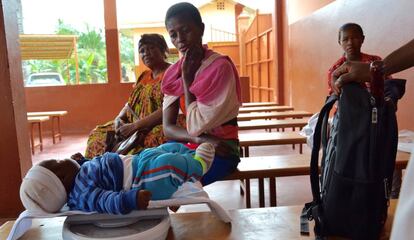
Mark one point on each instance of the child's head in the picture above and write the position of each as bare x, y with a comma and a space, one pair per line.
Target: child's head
206, 152
47, 184
351, 37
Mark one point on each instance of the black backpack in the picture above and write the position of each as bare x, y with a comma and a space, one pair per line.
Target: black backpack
350, 199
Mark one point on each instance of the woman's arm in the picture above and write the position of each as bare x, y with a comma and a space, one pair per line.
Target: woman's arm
121, 119
169, 123
400, 59
192, 62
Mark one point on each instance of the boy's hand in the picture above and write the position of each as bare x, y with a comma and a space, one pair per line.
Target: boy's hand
143, 198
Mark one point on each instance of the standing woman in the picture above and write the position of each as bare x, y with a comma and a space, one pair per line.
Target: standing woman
142, 114
205, 86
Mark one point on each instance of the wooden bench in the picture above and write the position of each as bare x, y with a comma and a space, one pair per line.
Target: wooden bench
255, 223
269, 138
259, 104
55, 115
270, 115
269, 124
36, 121
281, 166
265, 109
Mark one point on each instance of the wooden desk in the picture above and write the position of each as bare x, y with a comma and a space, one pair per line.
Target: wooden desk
265, 109
55, 115
247, 224
269, 124
259, 104
272, 167
270, 115
269, 138
36, 121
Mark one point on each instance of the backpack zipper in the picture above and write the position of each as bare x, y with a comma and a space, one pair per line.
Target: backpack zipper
387, 193
374, 112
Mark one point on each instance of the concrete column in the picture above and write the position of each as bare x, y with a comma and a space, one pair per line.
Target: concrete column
15, 158
113, 58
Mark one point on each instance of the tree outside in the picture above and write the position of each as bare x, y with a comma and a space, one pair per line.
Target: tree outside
91, 56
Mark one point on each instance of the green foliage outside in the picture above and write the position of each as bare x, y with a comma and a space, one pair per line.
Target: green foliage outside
91, 56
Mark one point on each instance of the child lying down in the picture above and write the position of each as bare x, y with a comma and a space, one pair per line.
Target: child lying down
114, 183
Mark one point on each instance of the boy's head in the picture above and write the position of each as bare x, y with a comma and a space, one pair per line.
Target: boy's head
47, 184
351, 37
206, 152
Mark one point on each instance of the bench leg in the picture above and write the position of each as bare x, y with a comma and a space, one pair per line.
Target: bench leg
53, 129
300, 148
246, 151
32, 137
272, 191
242, 187
248, 200
59, 130
261, 193
40, 137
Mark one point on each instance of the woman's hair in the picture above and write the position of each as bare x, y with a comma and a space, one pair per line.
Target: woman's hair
155, 40
348, 26
184, 9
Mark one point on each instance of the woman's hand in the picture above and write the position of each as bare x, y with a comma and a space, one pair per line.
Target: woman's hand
350, 72
191, 63
127, 130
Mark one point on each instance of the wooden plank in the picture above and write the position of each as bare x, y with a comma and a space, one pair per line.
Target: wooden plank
265, 109
270, 115
37, 119
48, 113
272, 138
287, 166
256, 223
281, 166
268, 124
259, 104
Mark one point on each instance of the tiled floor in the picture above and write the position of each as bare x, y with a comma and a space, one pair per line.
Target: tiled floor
290, 190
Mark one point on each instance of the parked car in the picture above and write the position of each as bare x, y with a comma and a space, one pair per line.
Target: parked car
45, 79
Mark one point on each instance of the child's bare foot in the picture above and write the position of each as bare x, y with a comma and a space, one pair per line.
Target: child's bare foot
174, 208
77, 156
143, 198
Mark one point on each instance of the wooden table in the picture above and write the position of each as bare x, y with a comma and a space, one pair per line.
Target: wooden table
269, 138
270, 115
55, 115
259, 104
272, 167
247, 224
265, 109
269, 124
36, 121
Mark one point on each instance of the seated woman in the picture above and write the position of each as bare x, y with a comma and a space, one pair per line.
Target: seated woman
350, 37
205, 85
142, 114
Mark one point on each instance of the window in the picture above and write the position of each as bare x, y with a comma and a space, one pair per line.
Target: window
220, 5
86, 61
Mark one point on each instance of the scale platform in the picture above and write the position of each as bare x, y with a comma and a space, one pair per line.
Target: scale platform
152, 224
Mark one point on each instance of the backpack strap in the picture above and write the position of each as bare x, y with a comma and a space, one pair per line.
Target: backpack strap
311, 209
314, 167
